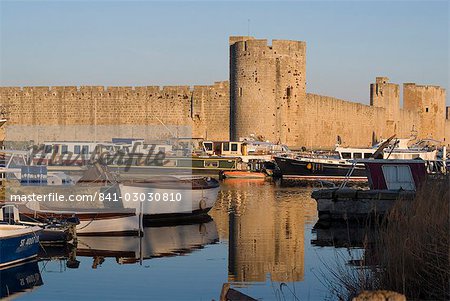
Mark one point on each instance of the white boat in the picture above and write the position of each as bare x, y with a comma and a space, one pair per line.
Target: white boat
159, 197
95, 203
397, 149
170, 197
96, 217
93, 220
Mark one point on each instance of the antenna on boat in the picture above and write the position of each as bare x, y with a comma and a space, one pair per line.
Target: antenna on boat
382, 147
392, 148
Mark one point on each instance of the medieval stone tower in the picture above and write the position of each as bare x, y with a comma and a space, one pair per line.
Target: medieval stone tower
387, 95
267, 86
429, 103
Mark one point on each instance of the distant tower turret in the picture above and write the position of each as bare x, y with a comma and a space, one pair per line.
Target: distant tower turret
387, 95
429, 103
267, 85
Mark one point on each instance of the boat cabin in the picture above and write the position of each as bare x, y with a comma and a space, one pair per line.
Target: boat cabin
347, 153
397, 149
395, 174
241, 148
220, 148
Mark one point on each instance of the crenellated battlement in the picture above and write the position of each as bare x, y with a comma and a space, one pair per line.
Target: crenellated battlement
287, 47
164, 92
184, 92
247, 46
414, 85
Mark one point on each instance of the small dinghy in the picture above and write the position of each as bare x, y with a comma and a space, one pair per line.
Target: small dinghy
242, 174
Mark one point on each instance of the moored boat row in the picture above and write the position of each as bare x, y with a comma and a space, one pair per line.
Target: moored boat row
346, 164
110, 206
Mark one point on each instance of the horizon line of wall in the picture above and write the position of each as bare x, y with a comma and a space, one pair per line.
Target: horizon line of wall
107, 88
201, 107
172, 88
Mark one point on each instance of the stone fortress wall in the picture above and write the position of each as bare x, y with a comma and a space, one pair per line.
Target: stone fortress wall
266, 96
171, 109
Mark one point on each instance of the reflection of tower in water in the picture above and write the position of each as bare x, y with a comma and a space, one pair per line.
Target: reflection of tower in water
266, 230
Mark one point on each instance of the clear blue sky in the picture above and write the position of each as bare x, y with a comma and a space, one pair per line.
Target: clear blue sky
186, 43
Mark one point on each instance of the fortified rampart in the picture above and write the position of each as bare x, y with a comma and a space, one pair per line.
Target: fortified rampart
205, 109
356, 124
266, 96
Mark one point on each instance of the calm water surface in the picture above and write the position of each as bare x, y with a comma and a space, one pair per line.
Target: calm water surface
259, 240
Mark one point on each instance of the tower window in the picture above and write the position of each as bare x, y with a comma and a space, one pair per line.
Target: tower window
288, 91
426, 110
240, 91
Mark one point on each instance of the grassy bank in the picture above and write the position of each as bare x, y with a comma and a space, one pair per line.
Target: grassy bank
409, 250
413, 244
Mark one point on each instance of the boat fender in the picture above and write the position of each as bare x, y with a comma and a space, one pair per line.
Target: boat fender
309, 166
202, 204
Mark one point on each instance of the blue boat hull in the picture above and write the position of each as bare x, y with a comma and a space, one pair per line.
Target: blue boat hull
18, 248
19, 278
